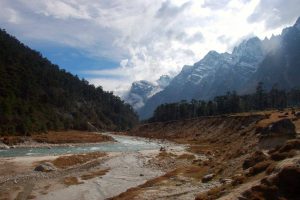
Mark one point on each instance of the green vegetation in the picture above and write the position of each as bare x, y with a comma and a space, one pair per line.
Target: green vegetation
37, 96
229, 103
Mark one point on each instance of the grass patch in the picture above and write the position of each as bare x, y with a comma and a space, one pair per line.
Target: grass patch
71, 160
71, 137
200, 149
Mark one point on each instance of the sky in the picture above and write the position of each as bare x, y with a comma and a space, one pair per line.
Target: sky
112, 43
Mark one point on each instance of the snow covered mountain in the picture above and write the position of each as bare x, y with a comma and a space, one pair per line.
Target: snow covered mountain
271, 61
141, 91
214, 75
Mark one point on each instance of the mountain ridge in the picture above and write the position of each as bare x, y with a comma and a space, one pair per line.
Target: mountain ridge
216, 73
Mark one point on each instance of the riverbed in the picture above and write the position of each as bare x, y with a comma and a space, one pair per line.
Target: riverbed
125, 162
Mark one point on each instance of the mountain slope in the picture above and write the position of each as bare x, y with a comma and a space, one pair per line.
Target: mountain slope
214, 75
36, 96
282, 65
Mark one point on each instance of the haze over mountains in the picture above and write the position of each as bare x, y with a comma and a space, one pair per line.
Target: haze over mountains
141, 91
271, 61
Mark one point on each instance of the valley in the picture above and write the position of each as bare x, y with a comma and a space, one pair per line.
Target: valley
215, 157
150, 100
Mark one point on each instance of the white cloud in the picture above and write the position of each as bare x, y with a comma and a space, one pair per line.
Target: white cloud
148, 38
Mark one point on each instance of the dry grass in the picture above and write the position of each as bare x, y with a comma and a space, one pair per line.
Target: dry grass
187, 156
91, 175
213, 193
165, 154
12, 140
71, 137
71, 160
71, 181
31, 196
200, 149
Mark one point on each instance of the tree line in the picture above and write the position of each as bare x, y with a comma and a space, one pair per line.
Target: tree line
37, 96
229, 103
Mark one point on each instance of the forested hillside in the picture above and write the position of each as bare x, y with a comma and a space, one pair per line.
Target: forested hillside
37, 96
229, 103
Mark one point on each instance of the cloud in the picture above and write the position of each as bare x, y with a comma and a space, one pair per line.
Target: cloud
168, 9
276, 13
148, 38
215, 4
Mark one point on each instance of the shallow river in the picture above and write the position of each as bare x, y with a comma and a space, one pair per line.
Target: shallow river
123, 144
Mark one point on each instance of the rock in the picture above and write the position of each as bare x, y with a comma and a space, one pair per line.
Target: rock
45, 167
238, 179
288, 180
162, 149
141, 174
4, 146
276, 134
207, 178
225, 180
283, 126
283, 185
255, 158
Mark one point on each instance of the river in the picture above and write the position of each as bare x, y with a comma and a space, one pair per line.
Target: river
122, 144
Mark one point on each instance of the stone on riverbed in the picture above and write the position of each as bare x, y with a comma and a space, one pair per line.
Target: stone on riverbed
45, 167
207, 178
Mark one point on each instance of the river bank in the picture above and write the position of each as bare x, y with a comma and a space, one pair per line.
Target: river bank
54, 139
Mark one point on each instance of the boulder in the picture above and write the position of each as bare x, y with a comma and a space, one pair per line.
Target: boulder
207, 178
281, 127
283, 185
297, 114
3, 146
225, 180
255, 158
276, 134
45, 167
162, 149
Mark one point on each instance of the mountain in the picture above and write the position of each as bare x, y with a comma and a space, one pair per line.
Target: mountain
141, 91
214, 75
281, 66
37, 96
274, 61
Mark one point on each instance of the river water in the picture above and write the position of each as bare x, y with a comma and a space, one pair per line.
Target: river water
123, 144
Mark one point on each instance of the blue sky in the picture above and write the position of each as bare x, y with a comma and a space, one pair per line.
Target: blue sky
115, 42
73, 60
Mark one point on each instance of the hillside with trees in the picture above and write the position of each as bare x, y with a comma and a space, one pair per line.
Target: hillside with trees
37, 96
229, 103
